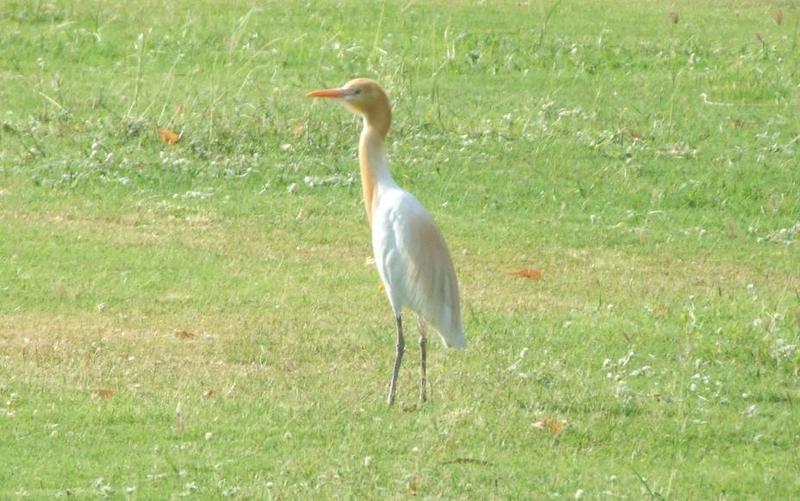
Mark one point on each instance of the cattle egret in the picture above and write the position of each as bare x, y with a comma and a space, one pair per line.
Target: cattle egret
410, 252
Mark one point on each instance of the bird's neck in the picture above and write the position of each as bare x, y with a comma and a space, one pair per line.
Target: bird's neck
374, 165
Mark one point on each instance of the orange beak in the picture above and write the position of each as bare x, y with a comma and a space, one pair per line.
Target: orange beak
331, 93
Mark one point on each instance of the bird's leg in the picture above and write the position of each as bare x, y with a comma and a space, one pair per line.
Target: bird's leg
397, 359
423, 342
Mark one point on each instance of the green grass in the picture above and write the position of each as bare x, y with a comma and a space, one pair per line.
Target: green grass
200, 319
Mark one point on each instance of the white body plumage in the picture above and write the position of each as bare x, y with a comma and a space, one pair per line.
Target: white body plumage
413, 261
410, 252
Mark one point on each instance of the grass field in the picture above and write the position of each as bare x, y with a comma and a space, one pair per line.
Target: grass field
202, 318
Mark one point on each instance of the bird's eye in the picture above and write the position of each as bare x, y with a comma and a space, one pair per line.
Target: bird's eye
356, 91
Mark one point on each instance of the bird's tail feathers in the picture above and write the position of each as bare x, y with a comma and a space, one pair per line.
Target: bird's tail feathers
453, 335
458, 340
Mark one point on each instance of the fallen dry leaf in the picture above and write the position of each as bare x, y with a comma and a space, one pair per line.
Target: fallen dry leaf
169, 136
660, 310
208, 393
412, 484
531, 273
183, 334
102, 393
554, 426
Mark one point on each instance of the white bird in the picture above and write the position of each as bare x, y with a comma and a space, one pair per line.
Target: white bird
410, 252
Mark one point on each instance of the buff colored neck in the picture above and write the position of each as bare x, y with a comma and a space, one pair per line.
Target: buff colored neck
372, 158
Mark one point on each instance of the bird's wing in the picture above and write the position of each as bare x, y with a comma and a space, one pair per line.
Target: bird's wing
424, 270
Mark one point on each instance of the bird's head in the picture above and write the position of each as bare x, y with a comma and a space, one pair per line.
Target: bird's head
363, 97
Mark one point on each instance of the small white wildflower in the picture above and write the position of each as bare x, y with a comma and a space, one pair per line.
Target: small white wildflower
641, 371
622, 362
101, 485
783, 349
202, 195
622, 391
751, 411
513, 366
